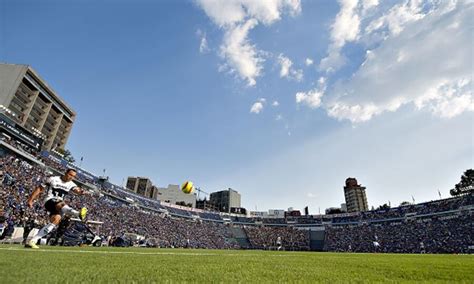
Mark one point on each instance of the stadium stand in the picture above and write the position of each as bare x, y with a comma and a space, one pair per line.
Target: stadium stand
442, 226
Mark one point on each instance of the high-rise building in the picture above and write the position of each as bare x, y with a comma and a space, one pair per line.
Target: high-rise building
225, 200
142, 186
356, 199
32, 104
174, 195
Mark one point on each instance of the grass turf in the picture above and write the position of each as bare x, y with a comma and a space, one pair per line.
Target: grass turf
126, 265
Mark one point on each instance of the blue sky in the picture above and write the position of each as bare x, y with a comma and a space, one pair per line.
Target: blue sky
281, 100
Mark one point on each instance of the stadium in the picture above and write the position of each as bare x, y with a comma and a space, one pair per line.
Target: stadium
286, 101
189, 244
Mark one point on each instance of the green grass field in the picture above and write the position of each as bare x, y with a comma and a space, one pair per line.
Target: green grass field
127, 265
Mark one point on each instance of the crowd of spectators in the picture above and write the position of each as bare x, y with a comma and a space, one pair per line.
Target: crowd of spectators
412, 228
395, 213
163, 230
267, 237
446, 234
19, 178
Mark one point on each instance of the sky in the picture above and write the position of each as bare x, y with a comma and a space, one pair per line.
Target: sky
281, 100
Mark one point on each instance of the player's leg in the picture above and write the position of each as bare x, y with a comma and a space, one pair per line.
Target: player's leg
67, 210
48, 228
54, 218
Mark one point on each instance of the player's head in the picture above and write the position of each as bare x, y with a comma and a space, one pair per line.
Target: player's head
69, 175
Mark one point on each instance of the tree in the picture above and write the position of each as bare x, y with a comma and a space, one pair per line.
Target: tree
405, 203
383, 207
331, 211
67, 155
182, 203
466, 185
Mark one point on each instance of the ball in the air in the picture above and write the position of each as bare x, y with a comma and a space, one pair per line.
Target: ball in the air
187, 187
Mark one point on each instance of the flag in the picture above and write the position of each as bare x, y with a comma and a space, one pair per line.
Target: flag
82, 159
439, 193
413, 198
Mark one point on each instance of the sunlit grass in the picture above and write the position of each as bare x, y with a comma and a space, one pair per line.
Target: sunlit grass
99, 265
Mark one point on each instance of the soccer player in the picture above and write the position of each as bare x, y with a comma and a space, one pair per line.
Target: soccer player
56, 188
278, 243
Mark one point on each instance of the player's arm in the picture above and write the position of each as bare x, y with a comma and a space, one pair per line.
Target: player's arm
80, 191
34, 195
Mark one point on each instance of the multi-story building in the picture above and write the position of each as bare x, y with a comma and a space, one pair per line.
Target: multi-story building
271, 213
205, 204
356, 199
34, 105
142, 186
225, 200
174, 195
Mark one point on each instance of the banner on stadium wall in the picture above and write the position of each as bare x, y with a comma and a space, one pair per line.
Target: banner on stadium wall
183, 207
11, 128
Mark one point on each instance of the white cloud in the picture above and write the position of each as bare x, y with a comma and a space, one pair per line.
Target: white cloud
286, 71
367, 7
368, 22
270, 11
278, 117
397, 17
229, 12
344, 29
285, 64
367, 4
256, 107
275, 103
354, 113
242, 56
346, 25
322, 82
237, 18
311, 98
308, 61
426, 63
297, 74
223, 13
448, 99
203, 46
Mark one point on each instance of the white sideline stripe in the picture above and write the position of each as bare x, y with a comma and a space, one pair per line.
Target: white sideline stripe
138, 253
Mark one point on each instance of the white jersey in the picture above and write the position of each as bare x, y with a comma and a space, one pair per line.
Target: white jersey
56, 188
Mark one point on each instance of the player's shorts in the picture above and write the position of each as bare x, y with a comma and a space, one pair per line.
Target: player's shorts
50, 206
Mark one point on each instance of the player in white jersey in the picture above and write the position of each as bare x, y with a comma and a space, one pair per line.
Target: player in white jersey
56, 188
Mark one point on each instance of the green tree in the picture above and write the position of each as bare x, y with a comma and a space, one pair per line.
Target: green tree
385, 206
466, 185
67, 155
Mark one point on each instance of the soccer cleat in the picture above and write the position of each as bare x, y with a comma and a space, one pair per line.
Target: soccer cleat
83, 213
31, 244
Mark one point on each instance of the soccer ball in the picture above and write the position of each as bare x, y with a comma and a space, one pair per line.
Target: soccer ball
187, 187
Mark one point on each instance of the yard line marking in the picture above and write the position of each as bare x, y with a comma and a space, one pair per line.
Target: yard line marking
139, 253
